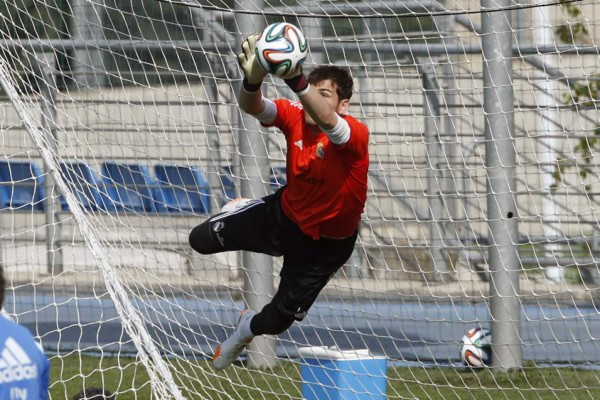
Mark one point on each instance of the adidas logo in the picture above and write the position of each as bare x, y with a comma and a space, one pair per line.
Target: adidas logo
15, 364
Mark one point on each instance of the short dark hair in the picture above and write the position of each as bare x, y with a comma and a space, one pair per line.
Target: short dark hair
339, 76
2, 286
94, 393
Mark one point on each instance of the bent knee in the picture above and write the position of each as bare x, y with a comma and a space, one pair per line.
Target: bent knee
200, 239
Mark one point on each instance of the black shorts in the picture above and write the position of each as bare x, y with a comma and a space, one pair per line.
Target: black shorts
262, 227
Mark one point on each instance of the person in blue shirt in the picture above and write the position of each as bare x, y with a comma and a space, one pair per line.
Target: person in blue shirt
24, 368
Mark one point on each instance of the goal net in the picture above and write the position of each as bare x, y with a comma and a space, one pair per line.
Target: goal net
121, 132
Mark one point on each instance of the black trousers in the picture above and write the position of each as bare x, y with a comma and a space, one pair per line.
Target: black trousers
262, 227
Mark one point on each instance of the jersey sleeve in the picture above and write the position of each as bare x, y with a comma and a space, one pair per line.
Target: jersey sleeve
288, 113
359, 138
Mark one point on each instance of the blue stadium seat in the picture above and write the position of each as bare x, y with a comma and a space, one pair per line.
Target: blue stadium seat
226, 175
184, 188
21, 185
83, 182
278, 178
129, 187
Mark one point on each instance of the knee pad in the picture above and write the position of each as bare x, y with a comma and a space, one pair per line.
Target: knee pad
200, 239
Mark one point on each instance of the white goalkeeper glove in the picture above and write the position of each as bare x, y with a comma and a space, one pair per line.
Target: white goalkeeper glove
292, 74
248, 61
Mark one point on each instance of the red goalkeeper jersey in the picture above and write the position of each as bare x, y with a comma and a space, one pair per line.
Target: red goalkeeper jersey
326, 183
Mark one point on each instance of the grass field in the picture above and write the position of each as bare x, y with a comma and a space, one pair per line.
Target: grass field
130, 380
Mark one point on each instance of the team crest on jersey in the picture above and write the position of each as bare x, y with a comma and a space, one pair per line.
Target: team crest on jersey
320, 151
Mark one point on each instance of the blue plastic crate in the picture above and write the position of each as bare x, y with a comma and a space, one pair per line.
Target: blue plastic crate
328, 373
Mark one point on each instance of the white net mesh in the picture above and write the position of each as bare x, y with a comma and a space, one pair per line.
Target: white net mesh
129, 110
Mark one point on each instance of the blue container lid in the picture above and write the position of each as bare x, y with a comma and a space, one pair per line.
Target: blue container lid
334, 353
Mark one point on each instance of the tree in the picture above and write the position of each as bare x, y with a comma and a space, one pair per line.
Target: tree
582, 95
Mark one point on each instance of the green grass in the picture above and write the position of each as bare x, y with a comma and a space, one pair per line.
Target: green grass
129, 378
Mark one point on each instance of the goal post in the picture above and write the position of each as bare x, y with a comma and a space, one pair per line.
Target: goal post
121, 132
162, 381
500, 157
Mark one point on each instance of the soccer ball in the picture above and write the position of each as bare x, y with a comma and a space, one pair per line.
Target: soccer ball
235, 204
476, 348
281, 48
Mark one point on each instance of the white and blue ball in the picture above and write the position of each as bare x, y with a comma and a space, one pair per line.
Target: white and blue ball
476, 348
281, 48
235, 204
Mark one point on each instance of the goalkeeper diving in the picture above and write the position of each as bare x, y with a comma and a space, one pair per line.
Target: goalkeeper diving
312, 222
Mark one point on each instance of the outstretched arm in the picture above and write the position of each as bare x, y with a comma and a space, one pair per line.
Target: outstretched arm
317, 107
316, 104
251, 102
